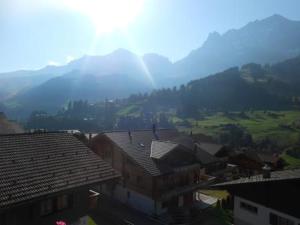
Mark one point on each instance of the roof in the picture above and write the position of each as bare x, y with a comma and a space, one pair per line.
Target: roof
210, 148
161, 148
204, 157
259, 156
38, 164
139, 148
275, 176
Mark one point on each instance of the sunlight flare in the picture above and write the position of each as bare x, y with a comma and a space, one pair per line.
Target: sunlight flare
107, 15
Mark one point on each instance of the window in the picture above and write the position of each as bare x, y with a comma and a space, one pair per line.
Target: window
62, 202
278, 220
248, 207
47, 207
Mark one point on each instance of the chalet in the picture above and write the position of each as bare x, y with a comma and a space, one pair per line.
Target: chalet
160, 168
251, 161
215, 157
48, 177
271, 198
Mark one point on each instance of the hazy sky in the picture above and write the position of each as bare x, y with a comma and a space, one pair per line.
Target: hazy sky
34, 33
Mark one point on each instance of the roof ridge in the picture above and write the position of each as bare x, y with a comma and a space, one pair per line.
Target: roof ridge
34, 133
137, 130
168, 141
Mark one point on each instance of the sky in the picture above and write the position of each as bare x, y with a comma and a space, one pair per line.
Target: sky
36, 33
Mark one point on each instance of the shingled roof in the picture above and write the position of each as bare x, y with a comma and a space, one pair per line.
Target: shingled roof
34, 165
204, 157
139, 147
161, 148
210, 148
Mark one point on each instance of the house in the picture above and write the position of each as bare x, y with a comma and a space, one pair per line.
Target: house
215, 157
160, 168
251, 161
47, 177
271, 198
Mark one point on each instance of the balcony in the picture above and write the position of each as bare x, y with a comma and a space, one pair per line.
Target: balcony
204, 181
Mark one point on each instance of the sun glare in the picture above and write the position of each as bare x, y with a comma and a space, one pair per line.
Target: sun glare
107, 15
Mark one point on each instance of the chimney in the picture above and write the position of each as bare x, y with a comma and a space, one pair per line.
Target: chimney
130, 136
266, 171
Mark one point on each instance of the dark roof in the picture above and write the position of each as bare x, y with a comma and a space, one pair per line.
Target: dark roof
139, 149
34, 165
267, 157
204, 157
275, 176
210, 148
258, 155
161, 148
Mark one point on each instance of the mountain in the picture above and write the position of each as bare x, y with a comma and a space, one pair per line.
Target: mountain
252, 86
153, 68
12, 83
122, 73
53, 94
270, 40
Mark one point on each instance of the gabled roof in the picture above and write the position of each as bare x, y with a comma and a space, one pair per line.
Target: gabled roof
204, 157
161, 148
139, 147
34, 165
210, 148
275, 176
258, 156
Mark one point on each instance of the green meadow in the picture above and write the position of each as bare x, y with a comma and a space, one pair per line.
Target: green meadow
281, 126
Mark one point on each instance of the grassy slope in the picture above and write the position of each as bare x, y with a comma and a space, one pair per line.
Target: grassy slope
292, 162
259, 123
131, 110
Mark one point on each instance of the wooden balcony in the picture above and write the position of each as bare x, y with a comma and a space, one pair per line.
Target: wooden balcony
203, 182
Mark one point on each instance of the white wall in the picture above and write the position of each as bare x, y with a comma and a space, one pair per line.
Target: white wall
244, 217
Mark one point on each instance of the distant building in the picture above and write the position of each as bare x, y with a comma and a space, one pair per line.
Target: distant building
251, 161
215, 158
269, 199
47, 177
160, 168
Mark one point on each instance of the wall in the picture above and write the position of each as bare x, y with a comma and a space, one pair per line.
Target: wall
134, 176
244, 217
30, 213
131, 198
179, 179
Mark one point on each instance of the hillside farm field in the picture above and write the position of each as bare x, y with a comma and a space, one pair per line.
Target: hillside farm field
280, 126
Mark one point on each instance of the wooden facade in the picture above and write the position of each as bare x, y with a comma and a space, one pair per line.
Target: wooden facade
168, 189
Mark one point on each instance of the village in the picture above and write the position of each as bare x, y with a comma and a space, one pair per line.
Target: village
149, 112
148, 176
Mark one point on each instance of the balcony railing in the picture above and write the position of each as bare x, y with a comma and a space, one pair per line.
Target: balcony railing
204, 181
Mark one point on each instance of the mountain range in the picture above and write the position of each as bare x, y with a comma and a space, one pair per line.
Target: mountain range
121, 73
